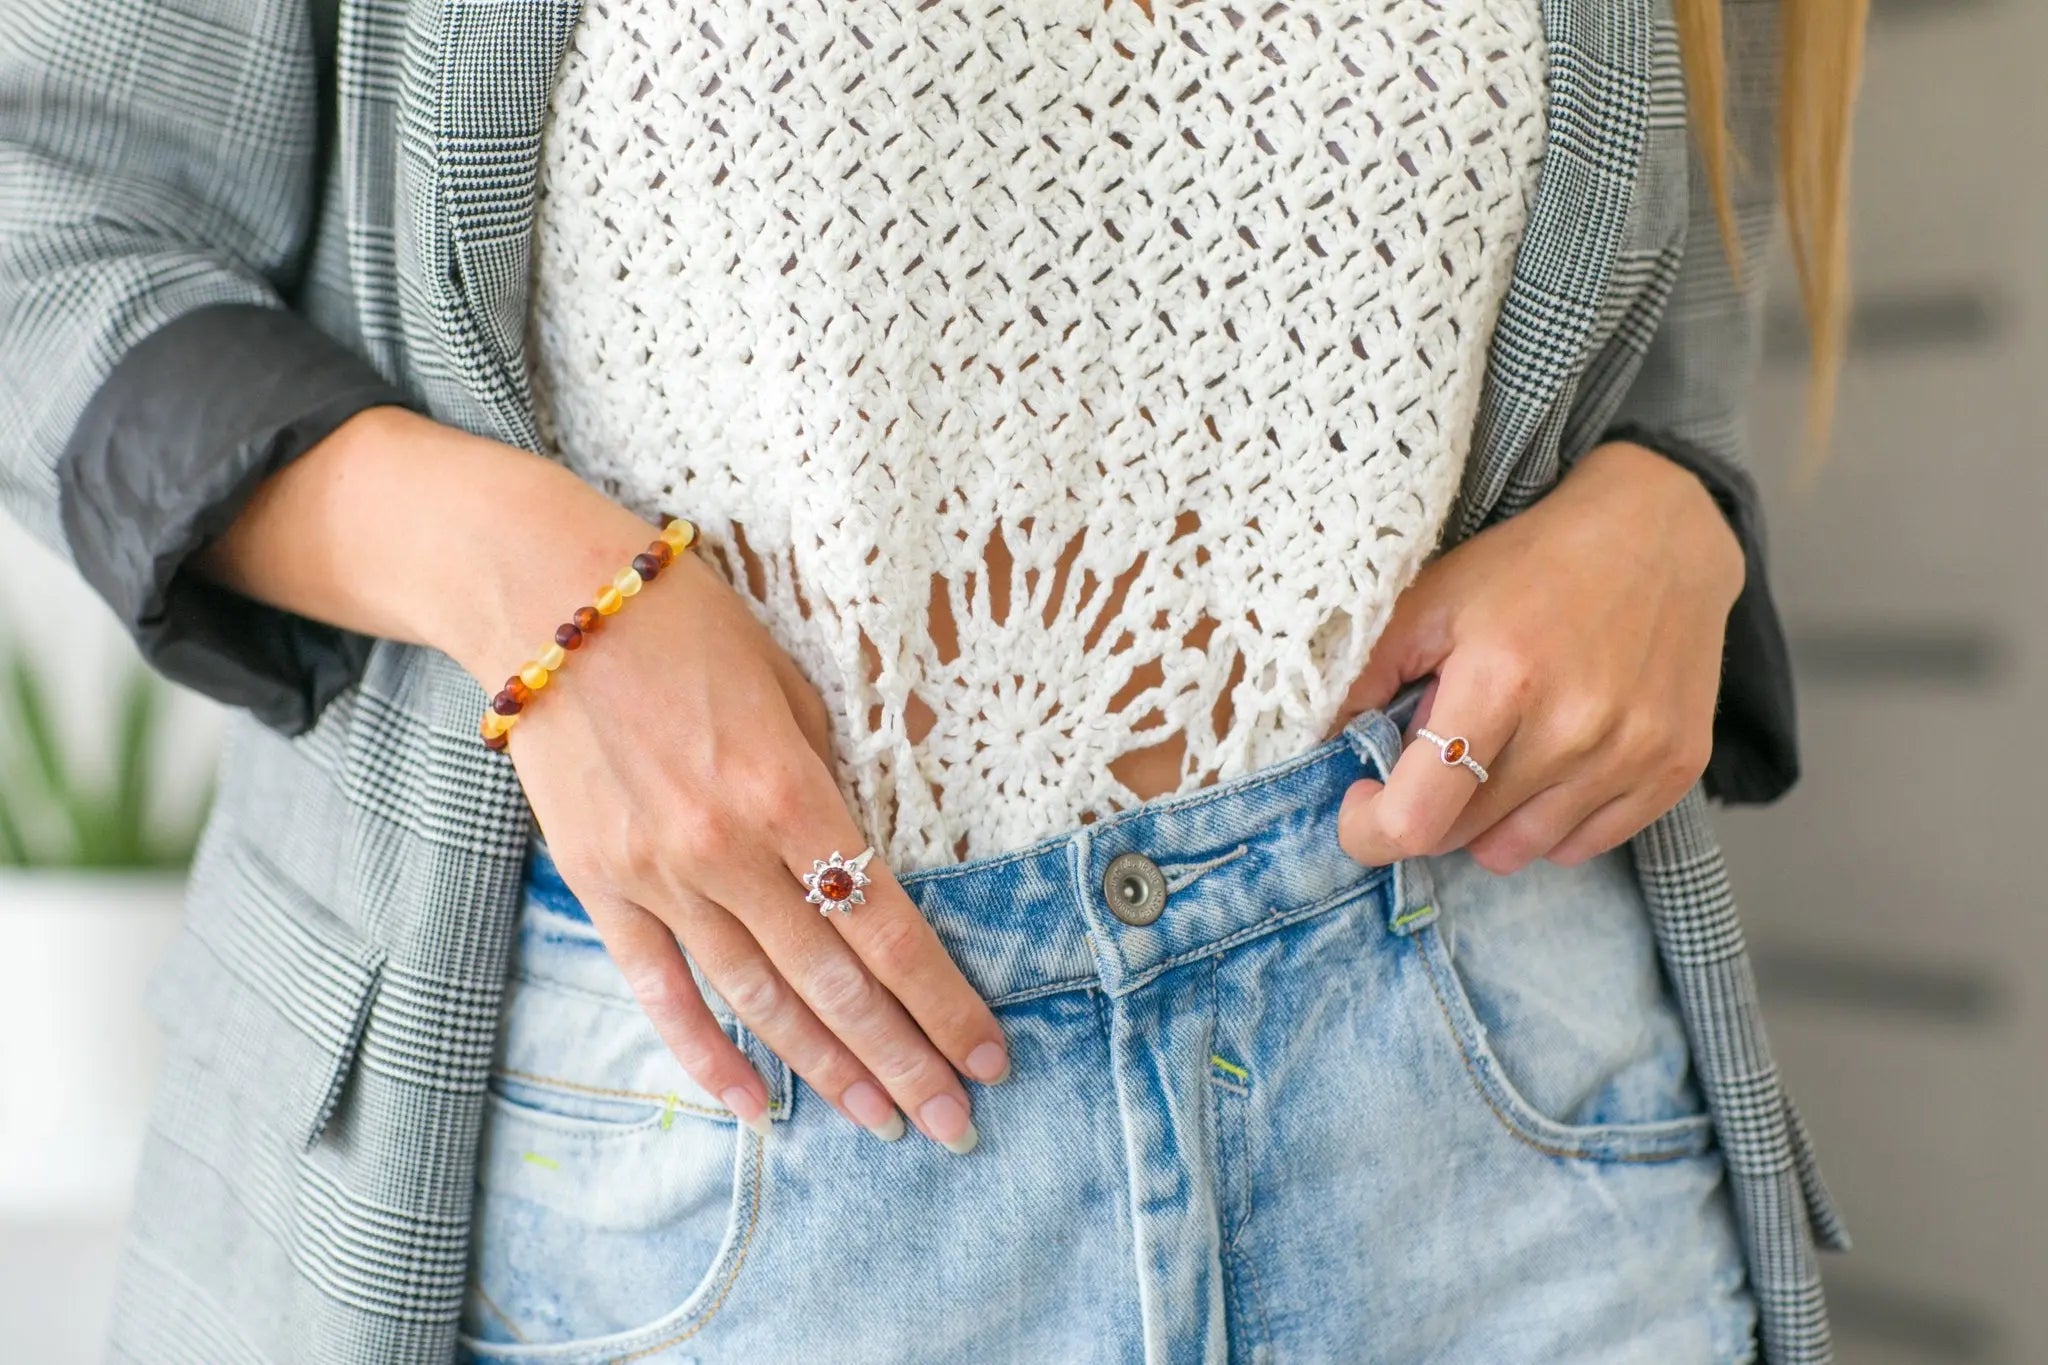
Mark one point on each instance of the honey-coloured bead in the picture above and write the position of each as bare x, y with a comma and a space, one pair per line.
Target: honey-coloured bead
494, 724
645, 566
497, 743
569, 636
679, 533
518, 690
627, 582
609, 600
553, 657
663, 552
534, 676
588, 619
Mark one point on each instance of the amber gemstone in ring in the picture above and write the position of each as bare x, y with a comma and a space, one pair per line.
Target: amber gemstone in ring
1454, 750
835, 883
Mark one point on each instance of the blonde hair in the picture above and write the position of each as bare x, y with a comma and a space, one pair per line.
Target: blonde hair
1820, 67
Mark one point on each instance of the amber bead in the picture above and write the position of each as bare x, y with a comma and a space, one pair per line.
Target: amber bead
663, 552
494, 724
534, 676
497, 743
679, 533
518, 690
609, 600
505, 704
628, 582
553, 657
568, 636
646, 567
588, 619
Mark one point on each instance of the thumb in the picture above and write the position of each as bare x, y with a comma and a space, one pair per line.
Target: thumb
1414, 643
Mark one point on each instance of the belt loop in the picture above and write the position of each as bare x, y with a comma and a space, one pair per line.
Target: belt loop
1413, 904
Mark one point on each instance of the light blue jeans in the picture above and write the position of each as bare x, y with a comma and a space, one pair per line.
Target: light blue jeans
1315, 1111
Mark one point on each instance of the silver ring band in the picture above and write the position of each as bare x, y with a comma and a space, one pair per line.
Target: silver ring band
836, 882
1456, 751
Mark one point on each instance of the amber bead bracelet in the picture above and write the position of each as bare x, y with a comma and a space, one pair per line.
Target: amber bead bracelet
503, 712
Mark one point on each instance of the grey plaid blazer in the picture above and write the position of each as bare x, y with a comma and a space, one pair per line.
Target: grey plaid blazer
331, 1004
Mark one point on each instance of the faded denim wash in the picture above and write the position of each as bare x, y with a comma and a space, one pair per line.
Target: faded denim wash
1317, 1111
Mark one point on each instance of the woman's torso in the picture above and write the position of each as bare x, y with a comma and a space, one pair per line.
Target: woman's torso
1072, 392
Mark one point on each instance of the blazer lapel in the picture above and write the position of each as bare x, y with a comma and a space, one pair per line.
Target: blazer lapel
478, 75
1599, 103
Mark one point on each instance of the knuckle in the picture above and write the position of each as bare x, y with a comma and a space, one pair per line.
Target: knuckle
704, 834
776, 793
841, 987
894, 949
754, 991
1407, 832
658, 989
1584, 721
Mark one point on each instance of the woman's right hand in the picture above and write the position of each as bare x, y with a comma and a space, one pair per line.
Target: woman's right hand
679, 770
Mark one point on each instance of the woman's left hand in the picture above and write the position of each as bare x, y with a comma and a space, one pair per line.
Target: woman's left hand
1577, 646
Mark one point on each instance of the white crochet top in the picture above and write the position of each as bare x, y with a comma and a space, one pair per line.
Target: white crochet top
1144, 352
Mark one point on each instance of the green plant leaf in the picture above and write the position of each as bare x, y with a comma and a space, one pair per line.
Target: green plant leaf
128, 822
13, 848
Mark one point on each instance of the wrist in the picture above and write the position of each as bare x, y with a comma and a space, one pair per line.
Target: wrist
1669, 502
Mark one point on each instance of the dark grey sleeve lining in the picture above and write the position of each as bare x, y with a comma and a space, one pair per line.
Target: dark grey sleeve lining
1756, 726
169, 449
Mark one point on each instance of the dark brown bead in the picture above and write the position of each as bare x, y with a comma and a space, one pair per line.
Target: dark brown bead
505, 704
588, 619
662, 551
497, 743
646, 566
568, 636
516, 688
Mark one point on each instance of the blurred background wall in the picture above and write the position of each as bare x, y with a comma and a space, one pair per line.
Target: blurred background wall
1892, 900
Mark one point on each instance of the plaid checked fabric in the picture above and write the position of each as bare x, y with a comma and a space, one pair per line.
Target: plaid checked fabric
330, 1008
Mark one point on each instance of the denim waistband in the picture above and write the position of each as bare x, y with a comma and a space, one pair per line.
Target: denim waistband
1239, 857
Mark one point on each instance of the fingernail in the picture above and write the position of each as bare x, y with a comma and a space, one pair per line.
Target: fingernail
872, 1110
989, 1063
945, 1118
746, 1108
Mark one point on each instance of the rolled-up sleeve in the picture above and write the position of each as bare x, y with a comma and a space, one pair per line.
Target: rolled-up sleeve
1690, 402
157, 182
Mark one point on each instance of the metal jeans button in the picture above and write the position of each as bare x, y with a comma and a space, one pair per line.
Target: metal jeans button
1134, 887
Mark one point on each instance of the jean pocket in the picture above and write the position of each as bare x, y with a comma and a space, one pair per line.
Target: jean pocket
616, 1198
1556, 1006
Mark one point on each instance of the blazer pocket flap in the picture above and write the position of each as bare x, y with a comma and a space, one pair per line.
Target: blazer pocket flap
269, 984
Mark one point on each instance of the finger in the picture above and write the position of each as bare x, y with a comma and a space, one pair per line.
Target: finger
1613, 825
1534, 828
652, 962
732, 961
787, 809
1412, 812
895, 940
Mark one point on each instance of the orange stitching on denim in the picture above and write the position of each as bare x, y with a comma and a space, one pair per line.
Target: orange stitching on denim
476, 1287
669, 1100
746, 1243
1514, 1130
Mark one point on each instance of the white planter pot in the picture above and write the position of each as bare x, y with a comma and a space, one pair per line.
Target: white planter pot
78, 1053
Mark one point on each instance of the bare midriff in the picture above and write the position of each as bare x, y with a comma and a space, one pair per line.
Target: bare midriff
1153, 770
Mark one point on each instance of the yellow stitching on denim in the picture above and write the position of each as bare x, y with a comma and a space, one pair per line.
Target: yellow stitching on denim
1413, 915
536, 1159
668, 1111
1231, 1067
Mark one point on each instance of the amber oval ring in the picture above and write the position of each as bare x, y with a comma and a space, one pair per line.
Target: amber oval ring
835, 882
1454, 751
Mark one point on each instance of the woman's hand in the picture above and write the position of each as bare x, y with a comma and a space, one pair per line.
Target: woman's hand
680, 771
1577, 646
680, 768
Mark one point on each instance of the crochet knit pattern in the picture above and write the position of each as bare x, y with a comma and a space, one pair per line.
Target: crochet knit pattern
1141, 354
